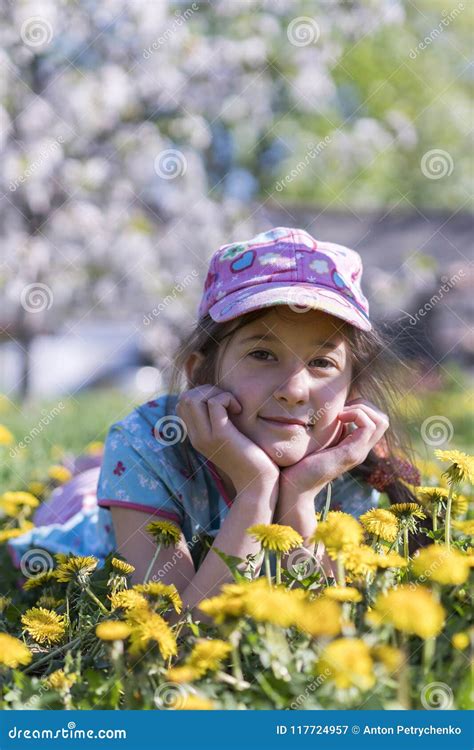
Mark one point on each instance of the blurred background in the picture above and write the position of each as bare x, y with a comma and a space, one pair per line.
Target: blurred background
139, 135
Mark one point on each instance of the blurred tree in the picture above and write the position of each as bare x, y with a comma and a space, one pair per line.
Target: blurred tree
136, 135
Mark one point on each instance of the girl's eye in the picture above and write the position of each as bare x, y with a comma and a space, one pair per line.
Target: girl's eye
323, 363
258, 351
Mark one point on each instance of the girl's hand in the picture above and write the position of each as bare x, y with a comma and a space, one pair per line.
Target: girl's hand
319, 468
205, 411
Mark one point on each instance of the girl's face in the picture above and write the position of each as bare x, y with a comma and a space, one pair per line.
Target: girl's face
288, 366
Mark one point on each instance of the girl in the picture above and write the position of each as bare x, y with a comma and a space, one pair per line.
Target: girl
287, 388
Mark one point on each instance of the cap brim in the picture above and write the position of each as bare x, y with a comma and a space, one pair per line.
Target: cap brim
300, 297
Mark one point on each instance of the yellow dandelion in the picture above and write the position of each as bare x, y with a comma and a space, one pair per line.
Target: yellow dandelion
13, 652
7, 534
465, 527
273, 536
207, 655
41, 579
436, 497
61, 681
381, 523
340, 531
164, 532
278, 606
359, 561
44, 625
347, 662
390, 560
192, 703
182, 674
37, 488
157, 590
95, 448
59, 474
320, 617
390, 657
415, 611
461, 640
440, 564
14, 503
342, 594
407, 510
431, 495
147, 626
6, 437
112, 630
121, 566
230, 604
462, 465
128, 599
76, 567
459, 505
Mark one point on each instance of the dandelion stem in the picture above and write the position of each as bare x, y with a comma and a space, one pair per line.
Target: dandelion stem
278, 568
91, 594
434, 516
447, 529
153, 561
57, 650
328, 502
428, 653
405, 543
268, 570
341, 573
234, 640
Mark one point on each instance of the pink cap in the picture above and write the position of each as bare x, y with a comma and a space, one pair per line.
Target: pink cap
285, 266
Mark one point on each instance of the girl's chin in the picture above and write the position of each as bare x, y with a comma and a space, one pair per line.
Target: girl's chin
286, 453
283, 455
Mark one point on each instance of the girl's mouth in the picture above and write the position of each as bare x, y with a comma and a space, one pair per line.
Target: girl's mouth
293, 426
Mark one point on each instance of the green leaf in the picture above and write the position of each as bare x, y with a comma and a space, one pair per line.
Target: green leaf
232, 563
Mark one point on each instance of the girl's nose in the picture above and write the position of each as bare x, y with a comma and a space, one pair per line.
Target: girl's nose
295, 388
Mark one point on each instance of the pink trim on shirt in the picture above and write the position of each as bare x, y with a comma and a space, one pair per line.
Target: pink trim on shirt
136, 506
220, 486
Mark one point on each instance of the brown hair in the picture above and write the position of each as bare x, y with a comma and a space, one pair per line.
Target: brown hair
378, 372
